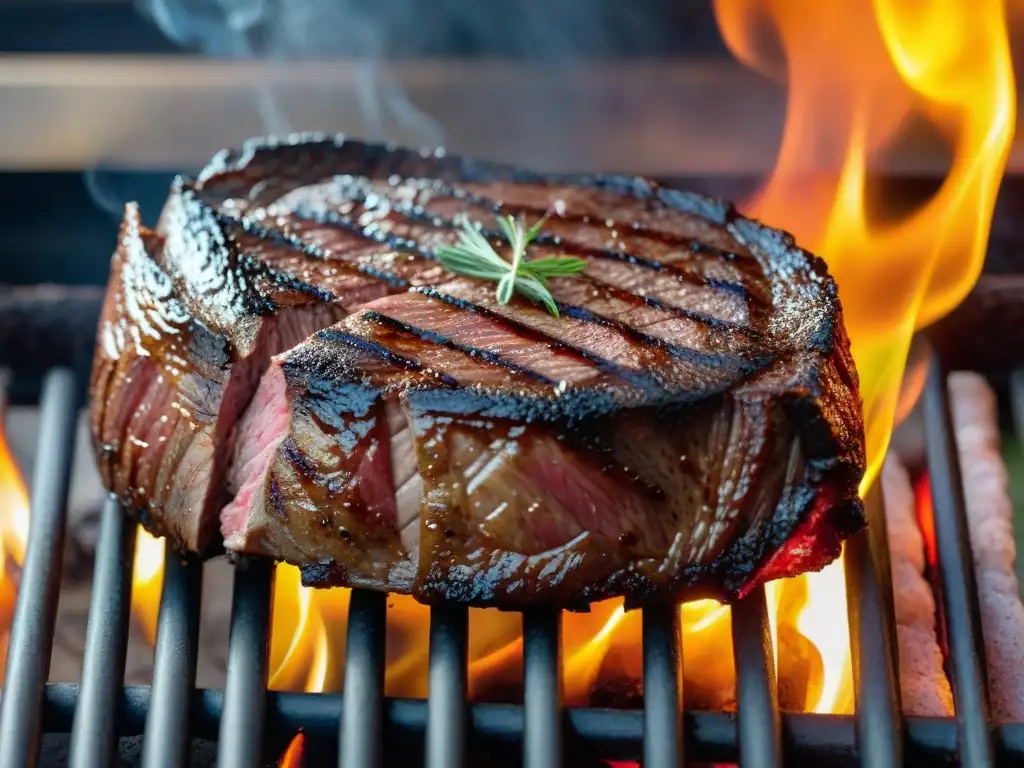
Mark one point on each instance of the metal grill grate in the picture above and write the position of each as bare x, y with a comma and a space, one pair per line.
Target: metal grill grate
446, 730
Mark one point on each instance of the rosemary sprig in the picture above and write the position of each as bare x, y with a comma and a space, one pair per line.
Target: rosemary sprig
474, 256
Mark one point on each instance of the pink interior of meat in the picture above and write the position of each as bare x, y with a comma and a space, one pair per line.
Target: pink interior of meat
260, 432
277, 334
406, 480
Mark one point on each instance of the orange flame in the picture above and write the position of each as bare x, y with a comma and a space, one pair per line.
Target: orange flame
147, 581
292, 757
858, 71
14, 517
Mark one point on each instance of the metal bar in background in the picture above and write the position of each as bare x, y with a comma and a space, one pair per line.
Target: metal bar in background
94, 735
663, 687
542, 688
35, 612
245, 689
873, 649
956, 570
166, 743
448, 689
362, 729
756, 687
1017, 402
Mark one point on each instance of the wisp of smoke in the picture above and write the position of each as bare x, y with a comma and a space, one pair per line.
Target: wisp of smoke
555, 33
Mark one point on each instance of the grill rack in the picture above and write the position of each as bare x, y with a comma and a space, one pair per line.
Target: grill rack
445, 730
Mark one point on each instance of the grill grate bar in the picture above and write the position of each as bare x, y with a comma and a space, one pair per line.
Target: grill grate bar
448, 686
663, 687
810, 739
542, 688
245, 689
757, 706
35, 612
362, 719
174, 664
873, 648
956, 569
93, 737
1017, 402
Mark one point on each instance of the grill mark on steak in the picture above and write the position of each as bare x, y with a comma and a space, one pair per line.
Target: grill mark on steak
559, 288
400, 227
433, 337
767, 405
457, 365
420, 271
429, 202
651, 365
579, 313
348, 223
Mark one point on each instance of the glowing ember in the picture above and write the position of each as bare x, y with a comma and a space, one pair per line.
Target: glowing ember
857, 71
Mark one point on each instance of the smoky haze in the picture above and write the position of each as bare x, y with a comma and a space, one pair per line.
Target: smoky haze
556, 32
354, 66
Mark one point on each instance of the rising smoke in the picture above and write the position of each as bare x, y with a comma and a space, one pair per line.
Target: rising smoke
368, 34
555, 32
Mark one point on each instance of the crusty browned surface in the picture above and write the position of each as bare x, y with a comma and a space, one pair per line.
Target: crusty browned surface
690, 423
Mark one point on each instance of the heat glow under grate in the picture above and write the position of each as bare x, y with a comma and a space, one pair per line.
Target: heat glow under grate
446, 731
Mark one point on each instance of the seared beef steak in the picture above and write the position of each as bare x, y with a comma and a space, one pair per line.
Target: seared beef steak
690, 424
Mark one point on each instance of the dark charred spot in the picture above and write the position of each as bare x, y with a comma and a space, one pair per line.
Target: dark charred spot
275, 496
290, 451
324, 573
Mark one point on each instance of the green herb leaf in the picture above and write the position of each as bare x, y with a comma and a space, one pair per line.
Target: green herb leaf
474, 256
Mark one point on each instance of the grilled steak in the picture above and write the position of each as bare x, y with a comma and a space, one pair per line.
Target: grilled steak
689, 424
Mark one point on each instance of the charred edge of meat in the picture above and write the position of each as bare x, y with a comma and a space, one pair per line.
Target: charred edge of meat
220, 281
141, 431
209, 366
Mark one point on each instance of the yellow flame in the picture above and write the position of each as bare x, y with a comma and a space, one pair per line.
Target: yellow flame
858, 71
14, 518
147, 581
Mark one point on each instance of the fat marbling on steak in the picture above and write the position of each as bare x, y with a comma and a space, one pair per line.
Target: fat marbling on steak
689, 424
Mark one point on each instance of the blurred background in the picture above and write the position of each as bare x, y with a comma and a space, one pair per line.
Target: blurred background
102, 101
